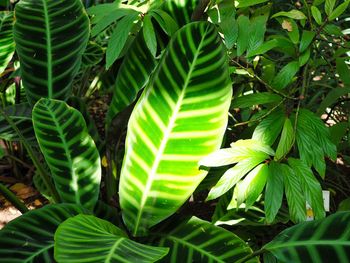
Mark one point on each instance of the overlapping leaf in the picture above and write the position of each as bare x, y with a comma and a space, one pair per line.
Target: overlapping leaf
107, 243
180, 118
325, 240
50, 38
30, 238
7, 45
201, 241
68, 150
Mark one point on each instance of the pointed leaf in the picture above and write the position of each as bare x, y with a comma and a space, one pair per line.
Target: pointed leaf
69, 151
255, 99
295, 197
180, 118
243, 34
332, 97
262, 49
30, 237
201, 241
325, 240
286, 75
118, 38
306, 39
274, 191
294, 14
132, 76
316, 14
286, 141
166, 22
93, 55
246, 3
109, 243
149, 35
50, 39
7, 45
311, 187
329, 6
339, 10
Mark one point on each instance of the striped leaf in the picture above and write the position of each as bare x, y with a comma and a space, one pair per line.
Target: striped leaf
69, 151
7, 45
132, 76
201, 241
324, 240
76, 235
93, 55
180, 10
180, 118
21, 115
30, 237
50, 38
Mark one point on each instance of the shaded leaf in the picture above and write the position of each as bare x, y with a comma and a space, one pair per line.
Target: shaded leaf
255, 99
7, 45
286, 141
286, 75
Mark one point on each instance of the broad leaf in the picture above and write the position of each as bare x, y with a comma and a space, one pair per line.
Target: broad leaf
255, 99
339, 10
149, 35
316, 14
7, 45
132, 76
180, 118
294, 14
268, 129
93, 55
306, 39
243, 34
180, 10
325, 240
50, 39
286, 75
30, 237
246, 3
274, 191
69, 151
311, 187
201, 241
286, 141
109, 243
295, 196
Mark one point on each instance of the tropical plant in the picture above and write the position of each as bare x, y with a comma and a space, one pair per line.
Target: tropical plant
220, 99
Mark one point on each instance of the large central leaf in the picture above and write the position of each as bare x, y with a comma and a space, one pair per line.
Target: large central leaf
180, 118
50, 37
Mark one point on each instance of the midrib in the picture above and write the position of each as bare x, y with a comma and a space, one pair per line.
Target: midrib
48, 50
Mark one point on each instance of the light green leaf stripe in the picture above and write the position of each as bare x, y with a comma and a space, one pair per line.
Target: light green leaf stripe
325, 240
180, 118
85, 238
7, 45
201, 241
30, 237
50, 38
69, 151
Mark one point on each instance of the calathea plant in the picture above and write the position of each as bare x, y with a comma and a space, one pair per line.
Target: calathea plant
177, 125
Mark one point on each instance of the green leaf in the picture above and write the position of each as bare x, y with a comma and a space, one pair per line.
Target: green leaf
243, 34
316, 15
304, 57
256, 33
234, 174
239, 151
252, 216
329, 6
331, 98
93, 55
295, 197
343, 71
149, 35
286, 75
119, 36
332, 29
286, 141
201, 241
325, 240
306, 39
246, 3
338, 131
311, 187
69, 151
132, 76
180, 10
252, 185
228, 22
49, 47
255, 99
186, 113
21, 115
7, 45
292, 29
268, 129
263, 48
30, 237
339, 10
109, 243
274, 191
166, 22
294, 14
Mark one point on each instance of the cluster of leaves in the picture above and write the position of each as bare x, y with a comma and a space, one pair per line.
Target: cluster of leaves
256, 72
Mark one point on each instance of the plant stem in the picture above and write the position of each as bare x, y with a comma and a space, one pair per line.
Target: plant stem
13, 199
41, 170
